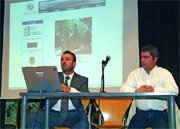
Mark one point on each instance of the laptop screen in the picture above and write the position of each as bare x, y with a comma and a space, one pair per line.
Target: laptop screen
41, 79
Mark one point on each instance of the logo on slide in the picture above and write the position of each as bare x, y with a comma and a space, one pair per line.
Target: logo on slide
30, 7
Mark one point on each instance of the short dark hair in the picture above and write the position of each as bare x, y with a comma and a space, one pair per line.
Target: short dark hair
151, 49
69, 52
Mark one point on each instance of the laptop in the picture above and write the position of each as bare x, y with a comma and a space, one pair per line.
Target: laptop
41, 79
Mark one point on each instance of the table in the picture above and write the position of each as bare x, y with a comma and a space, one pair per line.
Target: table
168, 96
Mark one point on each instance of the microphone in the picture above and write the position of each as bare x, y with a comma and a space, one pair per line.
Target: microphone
107, 60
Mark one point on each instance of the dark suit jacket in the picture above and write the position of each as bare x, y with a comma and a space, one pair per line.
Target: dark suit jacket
78, 82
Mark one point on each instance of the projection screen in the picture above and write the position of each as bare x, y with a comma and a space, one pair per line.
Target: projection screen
37, 32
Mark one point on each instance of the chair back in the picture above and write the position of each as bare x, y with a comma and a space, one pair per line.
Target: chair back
113, 110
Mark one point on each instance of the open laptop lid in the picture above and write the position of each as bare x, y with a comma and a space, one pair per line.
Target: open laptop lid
41, 78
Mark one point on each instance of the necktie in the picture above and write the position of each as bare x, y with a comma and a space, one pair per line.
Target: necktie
64, 103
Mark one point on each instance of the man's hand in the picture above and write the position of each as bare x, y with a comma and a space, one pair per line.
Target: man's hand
145, 88
64, 88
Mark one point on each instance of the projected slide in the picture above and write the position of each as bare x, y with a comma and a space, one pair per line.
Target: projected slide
41, 30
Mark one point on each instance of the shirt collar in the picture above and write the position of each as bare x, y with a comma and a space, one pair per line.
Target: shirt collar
70, 76
152, 71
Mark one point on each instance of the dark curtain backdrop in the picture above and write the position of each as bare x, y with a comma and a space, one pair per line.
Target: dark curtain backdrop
159, 26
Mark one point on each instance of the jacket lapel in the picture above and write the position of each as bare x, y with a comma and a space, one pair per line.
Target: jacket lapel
74, 81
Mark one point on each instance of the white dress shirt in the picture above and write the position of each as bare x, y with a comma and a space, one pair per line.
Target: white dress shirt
57, 106
160, 78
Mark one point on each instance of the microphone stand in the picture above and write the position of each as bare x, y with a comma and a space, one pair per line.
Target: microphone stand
102, 78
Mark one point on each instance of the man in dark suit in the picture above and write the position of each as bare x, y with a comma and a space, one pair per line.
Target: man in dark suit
73, 116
